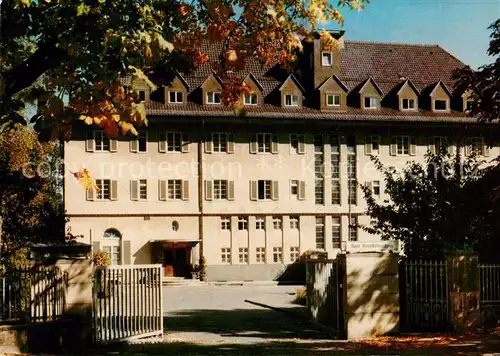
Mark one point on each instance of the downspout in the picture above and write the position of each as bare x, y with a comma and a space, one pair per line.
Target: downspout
200, 188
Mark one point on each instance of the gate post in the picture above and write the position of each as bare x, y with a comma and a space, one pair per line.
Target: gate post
464, 292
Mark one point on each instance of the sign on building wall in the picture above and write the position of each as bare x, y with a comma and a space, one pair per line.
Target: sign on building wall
372, 246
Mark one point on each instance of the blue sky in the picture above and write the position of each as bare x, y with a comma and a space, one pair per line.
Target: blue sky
460, 26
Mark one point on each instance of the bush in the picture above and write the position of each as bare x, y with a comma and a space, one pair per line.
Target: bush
101, 259
300, 296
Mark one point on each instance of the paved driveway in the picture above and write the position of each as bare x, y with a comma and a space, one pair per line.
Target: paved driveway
211, 313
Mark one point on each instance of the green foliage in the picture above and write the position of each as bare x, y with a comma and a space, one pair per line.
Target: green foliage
484, 84
101, 259
202, 268
433, 208
19, 259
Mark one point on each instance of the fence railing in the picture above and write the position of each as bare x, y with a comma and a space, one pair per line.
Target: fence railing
489, 285
33, 294
128, 302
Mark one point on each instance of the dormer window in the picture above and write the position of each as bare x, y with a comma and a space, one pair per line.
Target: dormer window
250, 99
408, 104
327, 59
468, 106
370, 102
213, 98
291, 100
440, 105
175, 97
333, 100
142, 95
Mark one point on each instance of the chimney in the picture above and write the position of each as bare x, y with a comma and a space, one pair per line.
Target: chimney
326, 62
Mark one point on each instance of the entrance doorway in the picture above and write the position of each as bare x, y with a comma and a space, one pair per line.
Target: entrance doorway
176, 261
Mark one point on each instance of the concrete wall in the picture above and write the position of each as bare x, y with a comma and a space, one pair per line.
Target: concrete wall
372, 303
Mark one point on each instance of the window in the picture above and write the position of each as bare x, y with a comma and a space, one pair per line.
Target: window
142, 95
103, 189
114, 254
174, 189
291, 100
475, 146
320, 232
371, 102
213, 98
243, 254
335, 167
373, 222
318, 170
175, 225
101, 141
297, 144
294, 188
260, 255
264, 142
468, 105
143, 189
403, 145
242, 223
111, 245
353, 228
264, 189
336, 228
376, 188
294, 253
440, 105
294, 223
250, 99
142, 142
219, 141
351, 169
220, 189
277, 254
174, 141
408, 104
326, 59
225, 254
438, 144
332, 100
225, 223
372, 145
175, 97
277, 223
260, 223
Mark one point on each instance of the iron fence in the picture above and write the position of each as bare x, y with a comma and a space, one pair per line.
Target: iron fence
489, 285
33, 294
128, 302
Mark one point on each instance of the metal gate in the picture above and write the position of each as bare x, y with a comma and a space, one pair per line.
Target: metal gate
325, 283
424, 293
128, 302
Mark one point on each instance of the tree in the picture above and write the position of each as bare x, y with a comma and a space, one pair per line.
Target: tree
70, 56
436, 207
30, 195
484, 84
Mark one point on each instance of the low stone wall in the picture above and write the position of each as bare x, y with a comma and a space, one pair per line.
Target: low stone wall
256, 272
372, 294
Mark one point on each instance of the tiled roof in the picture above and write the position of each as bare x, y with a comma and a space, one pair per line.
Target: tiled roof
386, 63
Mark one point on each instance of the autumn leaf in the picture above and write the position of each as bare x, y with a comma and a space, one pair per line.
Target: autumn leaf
84, 178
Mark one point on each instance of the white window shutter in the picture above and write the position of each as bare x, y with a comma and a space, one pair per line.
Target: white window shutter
90, 193
113, 145
230, 190
185, 190
134, 145
162, 142
96, 246
275, 190
209, 192
301, 149
368, 145
113, 193
162, 190
393, 148
302, 190
369, 186
90, 142
274, 144
413, 146
253, 144
208, 144
126, 253
253, 190
134, 190
185, 143
230, 143
486, 149
432, 145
